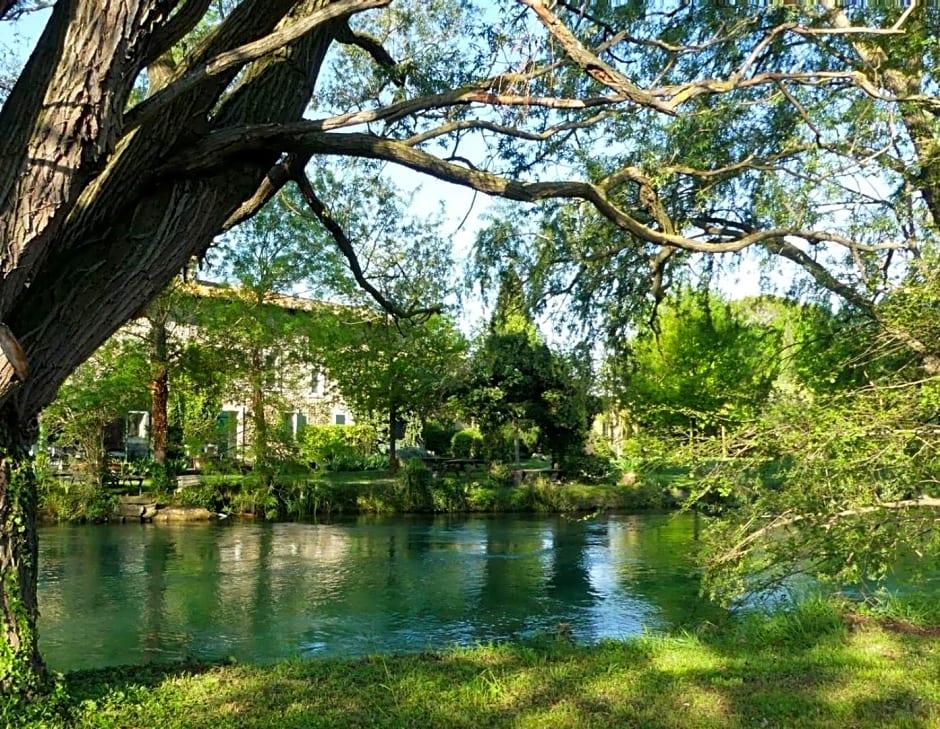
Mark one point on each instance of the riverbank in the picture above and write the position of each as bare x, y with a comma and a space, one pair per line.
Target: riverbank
809, 668
330, 494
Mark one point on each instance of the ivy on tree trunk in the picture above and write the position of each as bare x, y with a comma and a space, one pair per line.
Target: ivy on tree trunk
22, 670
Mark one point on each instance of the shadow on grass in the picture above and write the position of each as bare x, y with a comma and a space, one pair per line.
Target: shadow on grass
835, 678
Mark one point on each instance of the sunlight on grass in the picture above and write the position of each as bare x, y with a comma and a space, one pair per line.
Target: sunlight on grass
828, 677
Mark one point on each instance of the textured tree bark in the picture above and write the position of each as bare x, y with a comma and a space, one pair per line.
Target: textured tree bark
22, 670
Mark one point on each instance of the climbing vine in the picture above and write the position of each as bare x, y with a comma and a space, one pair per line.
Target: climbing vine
21, 669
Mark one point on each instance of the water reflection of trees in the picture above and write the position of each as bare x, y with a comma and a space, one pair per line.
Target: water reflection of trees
262, 591
654, 557
569, 581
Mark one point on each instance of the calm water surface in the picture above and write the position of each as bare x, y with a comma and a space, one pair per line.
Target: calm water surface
262, 592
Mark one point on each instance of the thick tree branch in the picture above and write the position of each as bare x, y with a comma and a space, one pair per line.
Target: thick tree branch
504, 130
184, 20
306, 137
238, 57
820, 273
277, 177
590, 63
15, 9
372, 46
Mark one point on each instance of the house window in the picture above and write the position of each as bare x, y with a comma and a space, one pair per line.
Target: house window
293, 425
318, 383
340, 419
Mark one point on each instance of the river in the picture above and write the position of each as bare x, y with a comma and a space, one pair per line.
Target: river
119, 594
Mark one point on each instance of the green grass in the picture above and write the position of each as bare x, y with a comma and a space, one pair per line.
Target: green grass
809, 668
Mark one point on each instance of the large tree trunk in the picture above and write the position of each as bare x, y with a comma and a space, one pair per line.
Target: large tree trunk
21, 667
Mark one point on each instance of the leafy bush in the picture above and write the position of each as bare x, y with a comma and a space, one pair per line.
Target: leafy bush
339, 447
214, 493
223, 466
256, 496
483, 497
588, 468
415, 486
645, 494
310, 498
374, 462
438, 437
599, 445
467, 443
162, 475
74, 502
501, 474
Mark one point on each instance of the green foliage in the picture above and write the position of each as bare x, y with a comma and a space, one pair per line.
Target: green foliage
385, 367
264, 332
500, 474
515, 385
800, 625
198, 380
53, 709
467, 443
708, 366
102, 390
838, 487
644, 494
257, 495
588, 468
162, 475
339, 447
19, 656
211, 492
438, 436
899, 608
416, 487
76, 502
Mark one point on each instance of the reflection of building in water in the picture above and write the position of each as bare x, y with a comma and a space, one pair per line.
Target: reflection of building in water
274, 560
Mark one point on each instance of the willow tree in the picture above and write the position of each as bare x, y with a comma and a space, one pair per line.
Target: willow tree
138, 131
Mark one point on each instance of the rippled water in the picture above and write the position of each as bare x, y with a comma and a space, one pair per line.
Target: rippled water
261, 592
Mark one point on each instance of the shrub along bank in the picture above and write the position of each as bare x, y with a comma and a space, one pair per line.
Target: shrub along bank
301, 493
414, 489
807, 668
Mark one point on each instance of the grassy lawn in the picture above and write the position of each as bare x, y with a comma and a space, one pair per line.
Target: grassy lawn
807, 669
